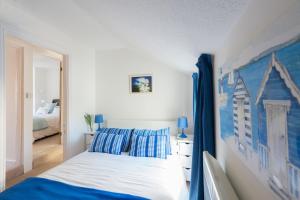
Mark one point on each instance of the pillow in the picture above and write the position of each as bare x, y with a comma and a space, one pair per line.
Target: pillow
42, 111
51, 108
56, 111
164, 131
148, 146
118, 131
107, 143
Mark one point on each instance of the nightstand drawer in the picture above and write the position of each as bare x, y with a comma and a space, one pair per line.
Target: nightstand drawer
186, 161
187, 173
185, 148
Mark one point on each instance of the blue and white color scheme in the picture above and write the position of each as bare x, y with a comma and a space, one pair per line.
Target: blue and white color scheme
118, 131
41, 188
260, 112
160, 132
107, 143
148, 146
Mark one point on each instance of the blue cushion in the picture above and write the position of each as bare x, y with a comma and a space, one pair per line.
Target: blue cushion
148, 146
118, 131
51, 108
165, 132
107, 143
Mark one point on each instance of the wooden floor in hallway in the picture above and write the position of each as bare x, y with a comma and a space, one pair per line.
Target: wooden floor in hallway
47, 153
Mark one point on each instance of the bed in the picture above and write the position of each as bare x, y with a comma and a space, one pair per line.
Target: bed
94, 175
151, 178
46, 124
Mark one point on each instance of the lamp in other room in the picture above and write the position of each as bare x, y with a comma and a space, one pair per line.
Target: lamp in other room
183, 124
99, 120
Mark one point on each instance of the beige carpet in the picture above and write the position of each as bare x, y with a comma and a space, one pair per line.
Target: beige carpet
47, 153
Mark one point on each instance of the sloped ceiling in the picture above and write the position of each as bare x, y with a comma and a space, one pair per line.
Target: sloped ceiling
175, 32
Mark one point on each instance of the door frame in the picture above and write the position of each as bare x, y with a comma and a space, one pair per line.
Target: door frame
11, 44
65, 62
2, 112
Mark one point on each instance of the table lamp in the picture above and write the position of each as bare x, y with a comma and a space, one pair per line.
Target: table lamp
99, 120
182, 123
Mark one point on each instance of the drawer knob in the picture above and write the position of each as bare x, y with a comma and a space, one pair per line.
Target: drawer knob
187, 168
187, 156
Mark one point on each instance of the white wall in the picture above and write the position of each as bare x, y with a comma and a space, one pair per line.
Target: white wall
27, 107
265, 24
172, 90
46, 84
81, 96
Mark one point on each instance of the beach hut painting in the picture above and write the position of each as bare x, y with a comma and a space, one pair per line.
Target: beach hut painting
260, 117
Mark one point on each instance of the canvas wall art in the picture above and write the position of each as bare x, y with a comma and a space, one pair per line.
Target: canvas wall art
260, 117
140, 84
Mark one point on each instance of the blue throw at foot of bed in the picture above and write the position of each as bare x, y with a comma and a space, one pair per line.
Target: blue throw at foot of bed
44, 189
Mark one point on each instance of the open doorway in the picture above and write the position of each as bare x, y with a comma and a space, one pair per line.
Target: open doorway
35, 115
47, 148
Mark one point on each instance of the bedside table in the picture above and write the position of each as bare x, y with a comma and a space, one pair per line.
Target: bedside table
88, 138
185, 151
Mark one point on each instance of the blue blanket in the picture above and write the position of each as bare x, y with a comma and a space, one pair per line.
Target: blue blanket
45, 189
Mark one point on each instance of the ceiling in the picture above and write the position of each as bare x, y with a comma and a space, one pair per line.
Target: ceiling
175, 32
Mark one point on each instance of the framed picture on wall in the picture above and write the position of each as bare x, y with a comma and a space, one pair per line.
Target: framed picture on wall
140, 84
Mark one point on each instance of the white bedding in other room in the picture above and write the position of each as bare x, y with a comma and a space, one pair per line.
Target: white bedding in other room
151, 178
53, 121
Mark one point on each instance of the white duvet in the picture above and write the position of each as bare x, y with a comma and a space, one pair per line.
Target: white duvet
151, 178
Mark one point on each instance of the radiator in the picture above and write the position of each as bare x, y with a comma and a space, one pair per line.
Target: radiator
216, 184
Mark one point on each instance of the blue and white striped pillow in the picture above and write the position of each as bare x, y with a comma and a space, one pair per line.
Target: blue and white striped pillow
118, 131
163, 132
148, 146
107, 143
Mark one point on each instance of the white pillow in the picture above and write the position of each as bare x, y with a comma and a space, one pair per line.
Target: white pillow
42, 110
56, 111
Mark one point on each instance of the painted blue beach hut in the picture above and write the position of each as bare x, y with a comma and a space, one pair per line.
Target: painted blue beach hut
278, 105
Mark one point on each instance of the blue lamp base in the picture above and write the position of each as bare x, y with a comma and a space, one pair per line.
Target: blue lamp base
99, 126
182, 135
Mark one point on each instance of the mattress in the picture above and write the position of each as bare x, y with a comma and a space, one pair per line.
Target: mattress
44, 133
53, 121
151, 178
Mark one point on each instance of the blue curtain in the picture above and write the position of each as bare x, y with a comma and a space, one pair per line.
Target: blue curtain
204, 135
195, 88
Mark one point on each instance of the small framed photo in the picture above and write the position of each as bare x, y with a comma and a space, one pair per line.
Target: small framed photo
140, 84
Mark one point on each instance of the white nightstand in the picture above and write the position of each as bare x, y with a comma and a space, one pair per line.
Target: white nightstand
88, 138
185, 151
